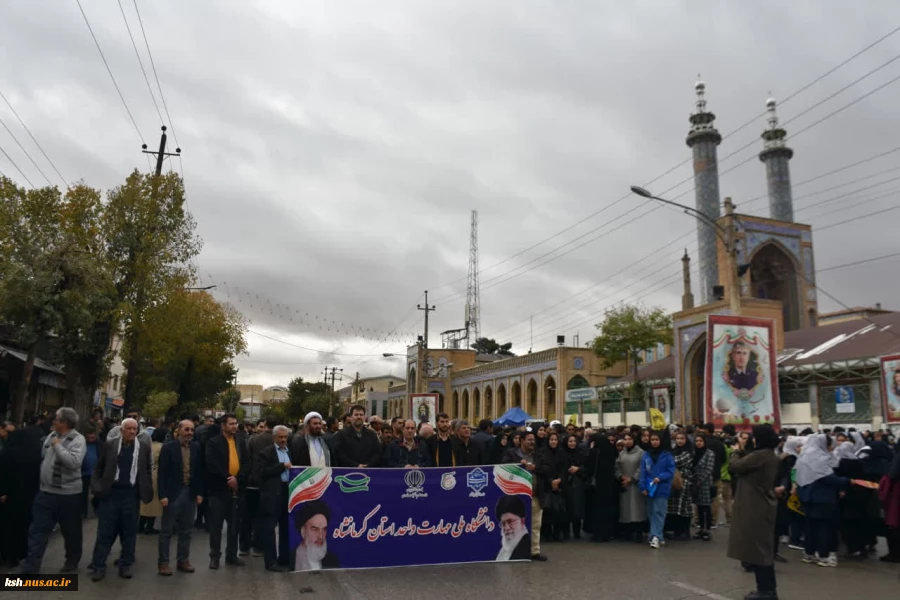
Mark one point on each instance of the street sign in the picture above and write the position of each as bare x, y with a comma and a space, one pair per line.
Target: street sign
581, 395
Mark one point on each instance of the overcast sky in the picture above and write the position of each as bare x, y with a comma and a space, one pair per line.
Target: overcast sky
333, 150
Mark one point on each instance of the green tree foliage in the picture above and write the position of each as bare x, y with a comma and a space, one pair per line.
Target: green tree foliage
228, 399
490, 346
187, 343
627, 330
54, 280
306, 396
150, 241
159, 403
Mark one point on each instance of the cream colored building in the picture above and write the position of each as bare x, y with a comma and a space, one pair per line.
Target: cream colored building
476, 387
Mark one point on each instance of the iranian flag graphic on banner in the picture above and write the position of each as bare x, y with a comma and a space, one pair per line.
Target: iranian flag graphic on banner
308, 485
512, 479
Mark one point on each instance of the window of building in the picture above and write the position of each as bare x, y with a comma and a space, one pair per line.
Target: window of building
115, 385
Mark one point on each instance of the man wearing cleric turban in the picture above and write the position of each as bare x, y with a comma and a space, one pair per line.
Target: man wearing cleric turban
312, 522
310, 449
516, 543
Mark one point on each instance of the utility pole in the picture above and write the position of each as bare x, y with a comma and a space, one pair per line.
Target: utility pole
131, 369
423, 375
334, 370
161, 154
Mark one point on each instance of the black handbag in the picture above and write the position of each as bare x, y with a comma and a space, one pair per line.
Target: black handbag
553, 502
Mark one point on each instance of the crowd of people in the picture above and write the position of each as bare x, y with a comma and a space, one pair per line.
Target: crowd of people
809, 491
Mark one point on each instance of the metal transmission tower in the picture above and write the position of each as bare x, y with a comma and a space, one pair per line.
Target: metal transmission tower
473, 292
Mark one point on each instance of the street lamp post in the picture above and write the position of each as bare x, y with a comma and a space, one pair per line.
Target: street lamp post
726, 234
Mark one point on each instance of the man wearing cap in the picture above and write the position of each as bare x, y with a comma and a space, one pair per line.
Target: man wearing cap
312, 554
516, 543
311, 449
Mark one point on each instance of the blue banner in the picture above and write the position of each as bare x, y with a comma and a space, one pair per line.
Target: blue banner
363, 518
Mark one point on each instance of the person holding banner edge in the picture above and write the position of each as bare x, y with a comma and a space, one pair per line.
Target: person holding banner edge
272, 472
540, 467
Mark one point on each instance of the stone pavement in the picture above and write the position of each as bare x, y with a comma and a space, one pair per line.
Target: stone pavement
576, 569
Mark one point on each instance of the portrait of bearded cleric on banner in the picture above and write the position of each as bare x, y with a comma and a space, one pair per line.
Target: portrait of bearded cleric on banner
515, 541
312, 554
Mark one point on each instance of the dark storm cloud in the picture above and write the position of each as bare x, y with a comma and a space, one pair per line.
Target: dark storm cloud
333, 150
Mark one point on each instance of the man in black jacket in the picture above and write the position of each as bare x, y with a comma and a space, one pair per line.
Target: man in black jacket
356, 446
121, 479
468, 453
310, 449
227, 467
179, 484
272, 471
250, 505
408, 452
484, 438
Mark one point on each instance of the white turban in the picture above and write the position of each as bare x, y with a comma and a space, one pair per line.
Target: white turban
310, 416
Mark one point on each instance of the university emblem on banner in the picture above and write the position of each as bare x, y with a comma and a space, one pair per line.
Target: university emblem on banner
415, 482
448, 481
353, 482
477, 480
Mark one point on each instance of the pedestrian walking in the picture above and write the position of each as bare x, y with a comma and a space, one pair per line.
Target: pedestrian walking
755, 508
121, 480
227, 469
59, 498
180, 489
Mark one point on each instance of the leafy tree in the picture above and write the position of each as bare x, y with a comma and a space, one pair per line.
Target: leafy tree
306, 396
54, 282
149, 242
490, 346
187, 344
158, 404
627, 330
228, 400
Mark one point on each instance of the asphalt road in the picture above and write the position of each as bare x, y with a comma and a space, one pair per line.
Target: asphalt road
576, 569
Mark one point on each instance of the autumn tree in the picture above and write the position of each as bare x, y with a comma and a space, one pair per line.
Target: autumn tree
627, 330
54, 281
187, 344
490, 346
150, 241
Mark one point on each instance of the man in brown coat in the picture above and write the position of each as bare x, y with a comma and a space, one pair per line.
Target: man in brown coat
755, 508
121, 480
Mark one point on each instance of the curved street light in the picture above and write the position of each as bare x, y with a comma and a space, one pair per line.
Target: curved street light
726, 235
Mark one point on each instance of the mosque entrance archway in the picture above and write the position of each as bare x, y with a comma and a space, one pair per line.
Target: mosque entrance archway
695, 388
773, 276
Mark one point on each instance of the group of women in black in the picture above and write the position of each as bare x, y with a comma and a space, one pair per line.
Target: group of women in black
598, 493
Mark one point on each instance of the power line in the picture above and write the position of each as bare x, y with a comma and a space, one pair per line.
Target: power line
155, 74
860, 217
606, 280
9, 158
33, 139
687, 160
858, 262
108, 70
140, 62
286, 343
21, 147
